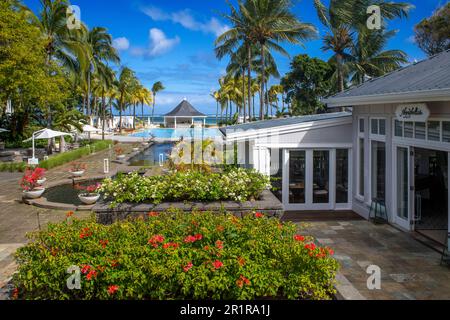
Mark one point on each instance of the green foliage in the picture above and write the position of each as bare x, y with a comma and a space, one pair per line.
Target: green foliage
234, 184
175, 256
306, 83
433, 34
12, 166
66, 157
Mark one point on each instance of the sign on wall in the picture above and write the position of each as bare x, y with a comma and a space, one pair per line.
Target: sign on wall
417, 112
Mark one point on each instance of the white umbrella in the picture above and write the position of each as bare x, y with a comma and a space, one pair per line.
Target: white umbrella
89, 128
46, 134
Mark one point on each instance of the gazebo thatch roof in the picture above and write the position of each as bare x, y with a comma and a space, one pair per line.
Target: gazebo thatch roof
185, 109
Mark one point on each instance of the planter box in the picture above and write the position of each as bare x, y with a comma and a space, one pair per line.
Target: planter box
267, 204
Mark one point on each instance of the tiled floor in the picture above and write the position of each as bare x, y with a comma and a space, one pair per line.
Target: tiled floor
409, 270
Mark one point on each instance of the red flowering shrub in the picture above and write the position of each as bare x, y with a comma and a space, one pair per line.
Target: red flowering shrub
30, 178
176, 256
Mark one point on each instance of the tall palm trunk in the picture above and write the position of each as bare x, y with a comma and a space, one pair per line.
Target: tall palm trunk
263, 80
249, 75
103, 115
153, 109
340, 75
243, 95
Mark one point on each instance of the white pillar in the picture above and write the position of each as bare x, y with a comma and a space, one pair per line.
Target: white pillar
175, 122
192, 121
204, 122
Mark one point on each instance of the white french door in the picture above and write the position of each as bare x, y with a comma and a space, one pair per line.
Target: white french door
404, 185
310, 181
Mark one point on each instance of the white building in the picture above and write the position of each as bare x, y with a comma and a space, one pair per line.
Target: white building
393, 149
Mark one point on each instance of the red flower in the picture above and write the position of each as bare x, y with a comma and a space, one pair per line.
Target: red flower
112, 289
153, 214
155, 240
241, 281
170, 245
198, 237
190, 239
217, 264
206, 248
104, 243
85, 269
310, 246
91, 274
69, 214
259, 215
219, 244
330, 251
188, 267
299, 238
15, 294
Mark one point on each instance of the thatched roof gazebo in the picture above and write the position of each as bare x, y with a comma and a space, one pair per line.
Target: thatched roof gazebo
183, 115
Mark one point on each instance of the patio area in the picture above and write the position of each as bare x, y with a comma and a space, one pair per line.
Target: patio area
409, 269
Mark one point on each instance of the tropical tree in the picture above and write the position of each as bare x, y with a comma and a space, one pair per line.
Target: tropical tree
145, 97
125, 85
367, 58
157, 87
345, 21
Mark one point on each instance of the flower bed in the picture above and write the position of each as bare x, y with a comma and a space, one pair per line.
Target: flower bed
176, 256
233, 184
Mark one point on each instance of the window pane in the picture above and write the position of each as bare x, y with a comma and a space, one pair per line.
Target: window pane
378, 170
434, 131
398, 128
409, 129
276, 171
361, 167
341, 176
374, 126
321, 177
402, 183
382, 127
297, 162
420, 130
446, 131
361, 125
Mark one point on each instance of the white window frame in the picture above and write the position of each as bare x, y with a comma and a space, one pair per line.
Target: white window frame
360, 135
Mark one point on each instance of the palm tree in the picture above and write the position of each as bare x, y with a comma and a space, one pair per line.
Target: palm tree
216, 96
124, 88
345, 19
367, 58
106, 77
272, 22
157, 87
145, 97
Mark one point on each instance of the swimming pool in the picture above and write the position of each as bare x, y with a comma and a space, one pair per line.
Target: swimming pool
151, 156
160, 133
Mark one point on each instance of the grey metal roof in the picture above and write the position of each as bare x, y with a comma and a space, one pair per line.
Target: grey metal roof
267, 124
430, 74
185, 109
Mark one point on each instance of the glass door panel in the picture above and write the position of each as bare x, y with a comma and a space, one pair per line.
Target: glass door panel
402, 183
297, 183
321, 176
342, 195
378, 170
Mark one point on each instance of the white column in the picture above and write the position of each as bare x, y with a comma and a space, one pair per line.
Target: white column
204, 122
175, 122
192, 121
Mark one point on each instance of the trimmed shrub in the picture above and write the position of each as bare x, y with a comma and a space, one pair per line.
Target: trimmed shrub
234, 184
176, 256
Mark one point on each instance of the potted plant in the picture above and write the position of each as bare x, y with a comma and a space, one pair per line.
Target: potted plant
77, 169
90, 194
29, 183
119, 153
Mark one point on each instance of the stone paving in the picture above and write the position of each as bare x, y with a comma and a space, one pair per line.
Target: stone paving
18, 219
409, 269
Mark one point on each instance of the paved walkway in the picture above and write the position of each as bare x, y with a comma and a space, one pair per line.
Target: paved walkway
18, 219
409, 269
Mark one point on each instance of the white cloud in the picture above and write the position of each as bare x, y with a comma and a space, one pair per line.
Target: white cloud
187, 20
159, 44
411, 39
121, 44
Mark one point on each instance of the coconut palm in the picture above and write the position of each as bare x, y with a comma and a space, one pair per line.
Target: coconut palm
125, 85
145, 97
367, 58
344, 20
272, 22
157, 87
106, 77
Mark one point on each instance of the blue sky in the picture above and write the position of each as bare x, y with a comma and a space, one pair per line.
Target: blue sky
172, 41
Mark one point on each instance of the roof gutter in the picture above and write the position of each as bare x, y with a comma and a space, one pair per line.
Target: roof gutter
403, 97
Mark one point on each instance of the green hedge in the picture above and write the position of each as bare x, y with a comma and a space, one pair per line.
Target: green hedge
59, 159
175, 256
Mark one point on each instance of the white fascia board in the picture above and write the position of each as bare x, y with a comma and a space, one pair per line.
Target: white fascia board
268, 132
403, 97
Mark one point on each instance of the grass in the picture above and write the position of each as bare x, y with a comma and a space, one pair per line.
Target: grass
59, 159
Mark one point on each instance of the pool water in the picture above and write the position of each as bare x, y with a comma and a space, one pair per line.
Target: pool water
67, 193
160, 133
151, 156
